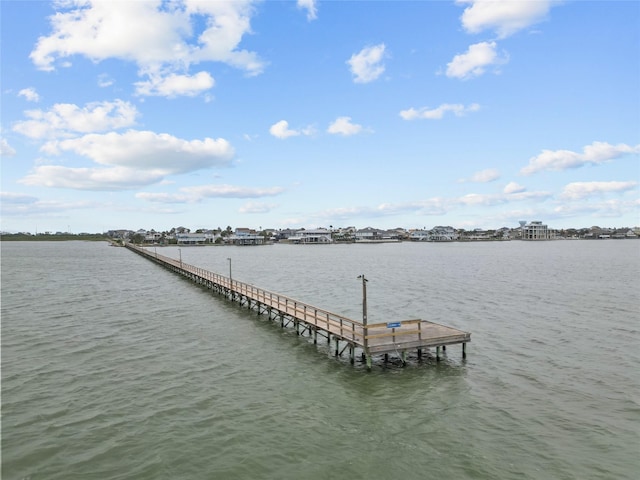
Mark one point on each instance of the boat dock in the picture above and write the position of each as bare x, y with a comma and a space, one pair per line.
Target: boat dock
378, 339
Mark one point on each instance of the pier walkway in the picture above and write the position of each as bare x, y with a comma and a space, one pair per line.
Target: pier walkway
397, 337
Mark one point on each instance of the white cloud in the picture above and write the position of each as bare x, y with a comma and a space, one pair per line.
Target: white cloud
110, 179
162, 153
501, 198
343, 126
104, 80
513, 187
161, 37
231, 191
30, 94
200, 192
311, 7
173, 85
485, 176
580, 190
594, 154
610, 208
16, 198
165, 197
128, 160
281, 130
437, 113
257, 207
66, 118
5, 149
367, 65
474, 61
504, 16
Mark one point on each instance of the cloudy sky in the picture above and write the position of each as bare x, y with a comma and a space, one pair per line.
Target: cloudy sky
284, 114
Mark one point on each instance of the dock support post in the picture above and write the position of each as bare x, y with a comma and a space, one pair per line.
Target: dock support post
337, 346
352, 354
368, 362
403, 356
437, 354
386, 357
315, 336
464, 350
444, 348
419, 353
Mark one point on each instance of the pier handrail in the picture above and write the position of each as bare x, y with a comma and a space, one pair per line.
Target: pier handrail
374, 339
347, 327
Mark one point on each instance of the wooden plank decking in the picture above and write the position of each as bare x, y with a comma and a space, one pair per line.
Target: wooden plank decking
396, 337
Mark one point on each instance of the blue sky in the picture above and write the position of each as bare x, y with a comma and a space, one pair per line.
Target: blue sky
469, 113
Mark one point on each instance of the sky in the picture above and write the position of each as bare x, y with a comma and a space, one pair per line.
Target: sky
309, 114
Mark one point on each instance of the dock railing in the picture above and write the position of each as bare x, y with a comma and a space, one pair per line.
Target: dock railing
339, 325
374, 338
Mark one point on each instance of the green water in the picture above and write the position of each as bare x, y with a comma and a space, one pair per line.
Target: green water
114, 368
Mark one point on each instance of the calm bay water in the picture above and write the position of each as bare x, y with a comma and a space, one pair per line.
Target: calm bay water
115, 368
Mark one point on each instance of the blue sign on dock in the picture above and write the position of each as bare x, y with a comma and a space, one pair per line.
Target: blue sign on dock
394, 324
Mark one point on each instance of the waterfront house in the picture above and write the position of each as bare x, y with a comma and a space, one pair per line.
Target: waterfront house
312, 236
535, 231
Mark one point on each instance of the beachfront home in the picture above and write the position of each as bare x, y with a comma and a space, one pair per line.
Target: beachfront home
313, 236
535, 231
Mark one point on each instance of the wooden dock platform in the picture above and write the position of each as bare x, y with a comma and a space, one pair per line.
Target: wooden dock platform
385, 339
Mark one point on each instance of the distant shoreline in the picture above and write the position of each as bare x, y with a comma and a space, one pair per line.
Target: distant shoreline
21, 237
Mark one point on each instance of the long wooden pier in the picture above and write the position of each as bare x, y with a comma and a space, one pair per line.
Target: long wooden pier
398, 337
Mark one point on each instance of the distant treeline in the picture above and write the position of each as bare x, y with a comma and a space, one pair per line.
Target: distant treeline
59, 237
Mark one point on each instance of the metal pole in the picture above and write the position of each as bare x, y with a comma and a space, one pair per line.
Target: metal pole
230, 279
180, 253
364, 299
365, 352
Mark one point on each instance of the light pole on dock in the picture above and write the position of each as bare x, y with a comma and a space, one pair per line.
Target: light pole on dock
364, 299
230, 280
180, 253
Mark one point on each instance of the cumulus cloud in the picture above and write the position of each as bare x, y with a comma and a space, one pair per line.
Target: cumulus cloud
367, 65
231, 191
492, 199
580, 190
281, 130
257, 207
162, 38
30, 94
474, 61
504, 16
485, 176
128, 160
104, 80
200, 192
17, 198
101, 179
64, 119
5, 149
145, 150
513, 187
457, 109
173, 85
343, 126
609, 208
594, 154
311, 7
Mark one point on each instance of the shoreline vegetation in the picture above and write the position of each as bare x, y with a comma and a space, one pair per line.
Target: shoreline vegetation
24, 237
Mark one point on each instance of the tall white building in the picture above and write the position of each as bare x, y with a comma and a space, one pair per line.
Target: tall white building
535, 231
